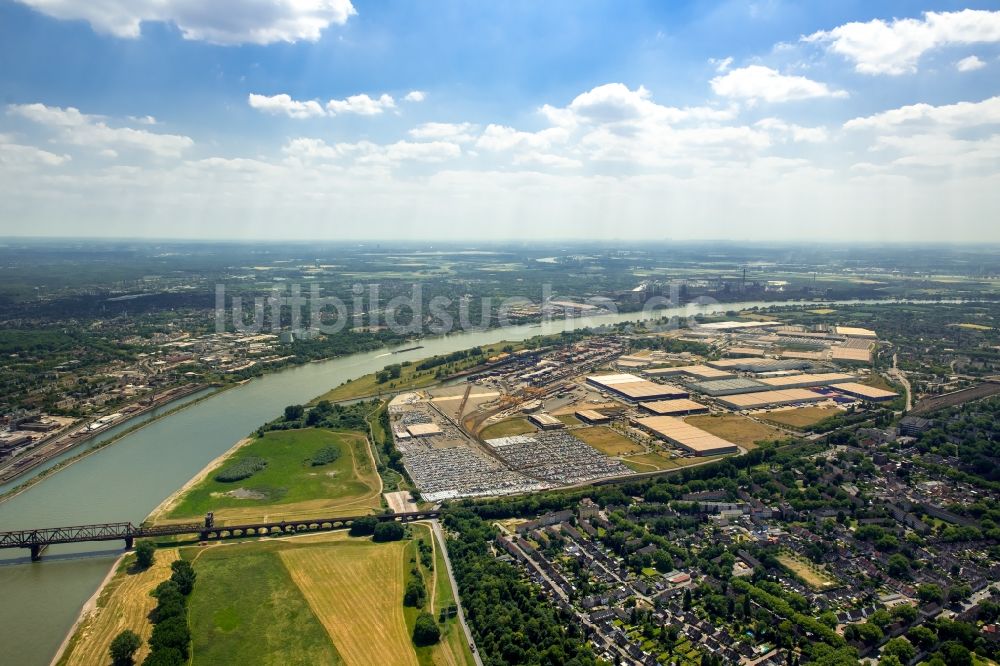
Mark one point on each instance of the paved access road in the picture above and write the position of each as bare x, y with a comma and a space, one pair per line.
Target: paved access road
439, 533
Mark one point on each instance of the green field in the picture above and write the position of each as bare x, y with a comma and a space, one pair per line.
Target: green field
318, 599
289, 486
507, 428
607, 441
245, 609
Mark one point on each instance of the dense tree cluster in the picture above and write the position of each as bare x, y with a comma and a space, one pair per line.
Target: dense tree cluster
241, 469
512, 622
171, 639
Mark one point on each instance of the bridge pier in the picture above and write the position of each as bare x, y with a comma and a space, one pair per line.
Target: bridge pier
36, 551
129, 542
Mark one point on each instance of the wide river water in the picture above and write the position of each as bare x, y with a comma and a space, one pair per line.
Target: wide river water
126, 480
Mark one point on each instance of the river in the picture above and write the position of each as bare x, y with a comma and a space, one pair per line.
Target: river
126, 480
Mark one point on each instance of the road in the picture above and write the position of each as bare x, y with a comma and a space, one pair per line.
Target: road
898, 375
439, 533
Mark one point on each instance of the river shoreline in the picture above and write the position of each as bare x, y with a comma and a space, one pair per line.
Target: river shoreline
60, 466
89, 607
171, 501
160, 460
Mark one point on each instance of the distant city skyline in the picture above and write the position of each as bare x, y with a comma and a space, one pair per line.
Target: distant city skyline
644, 121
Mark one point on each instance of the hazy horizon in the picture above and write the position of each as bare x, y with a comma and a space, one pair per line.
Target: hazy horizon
338, 120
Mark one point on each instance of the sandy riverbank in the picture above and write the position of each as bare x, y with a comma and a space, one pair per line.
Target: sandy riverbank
89, 607
167, 505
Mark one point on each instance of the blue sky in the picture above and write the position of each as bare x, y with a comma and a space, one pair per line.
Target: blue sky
333, 119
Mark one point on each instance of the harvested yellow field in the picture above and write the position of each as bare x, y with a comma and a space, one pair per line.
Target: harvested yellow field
356, 590
822, 311
736, 429
123, 604
973, 327
800, 417
607, 441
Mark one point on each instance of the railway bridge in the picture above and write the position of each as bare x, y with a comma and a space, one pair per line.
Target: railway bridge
37, 540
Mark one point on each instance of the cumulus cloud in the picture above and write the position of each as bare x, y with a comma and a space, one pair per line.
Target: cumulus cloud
15, 155
219, 21
415, 96
284, 104
961, 114
757, 82
970, 64
790, 131
362, 105
76, 128
721, 65
501, 137
895, 47
457, 132
616, 103
367, 152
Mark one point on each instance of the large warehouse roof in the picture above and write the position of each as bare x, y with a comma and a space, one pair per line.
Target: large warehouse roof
679, 406
686, 436
697, 371
729, 386
636, 388
771, 398
855, 332
865, 392
819, 379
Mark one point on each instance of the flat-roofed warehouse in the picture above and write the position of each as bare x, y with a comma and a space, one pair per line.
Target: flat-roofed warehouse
635, 389
679, 407
851, 354
760, 364
855, 332
728, 386
424, 429
869, 393
686, 436
801, 381
592, 416
763, 399
546, 421
696, 371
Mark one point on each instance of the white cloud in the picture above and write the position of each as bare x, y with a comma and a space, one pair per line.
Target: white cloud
362, 105
721, 65
284, 104
218, 21
757, 82
15, 155
961, 114
969, 64
367, 152
878, 47
415, 96
457, 132
500, 137
797, 133
76, 128
616, 103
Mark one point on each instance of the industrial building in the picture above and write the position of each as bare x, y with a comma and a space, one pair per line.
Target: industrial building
635, 389
592, 416
729, 386
760, 364
546, 421
763, 399
686, 436
855, 332
802, 381
869, 393
423, 429
679, 407
851, 354
700, 372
